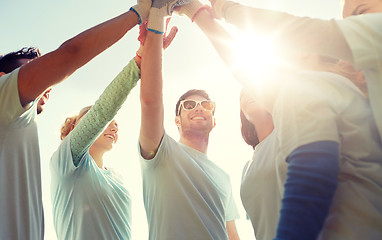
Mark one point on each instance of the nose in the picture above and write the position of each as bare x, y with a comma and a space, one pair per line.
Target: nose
198, 107
114, 129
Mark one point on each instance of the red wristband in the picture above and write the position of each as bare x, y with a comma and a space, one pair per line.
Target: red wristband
197, 12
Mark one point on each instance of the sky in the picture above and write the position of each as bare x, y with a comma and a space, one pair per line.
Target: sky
190, 62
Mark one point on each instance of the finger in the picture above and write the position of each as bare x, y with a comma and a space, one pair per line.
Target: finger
167, 22
142, 32
168, 39
212, 12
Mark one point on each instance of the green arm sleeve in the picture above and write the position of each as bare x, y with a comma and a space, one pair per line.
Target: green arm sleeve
103, 111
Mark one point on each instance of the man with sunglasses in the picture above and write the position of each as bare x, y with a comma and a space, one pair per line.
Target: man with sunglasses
186, 195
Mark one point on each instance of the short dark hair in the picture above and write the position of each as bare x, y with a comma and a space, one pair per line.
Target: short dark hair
190, 93
10, 61
248, 131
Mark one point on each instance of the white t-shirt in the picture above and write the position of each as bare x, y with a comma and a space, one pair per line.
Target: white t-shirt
186, 195
322, 106
363, 34
21, 211
262, 187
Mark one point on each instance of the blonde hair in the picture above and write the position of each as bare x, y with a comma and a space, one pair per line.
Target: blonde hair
71, 122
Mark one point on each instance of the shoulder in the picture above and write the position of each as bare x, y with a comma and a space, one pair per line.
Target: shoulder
310, 85
10, 107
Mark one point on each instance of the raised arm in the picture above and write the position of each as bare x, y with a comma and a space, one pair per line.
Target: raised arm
152, 128
52, 68
103, 111
310, 35
221, 40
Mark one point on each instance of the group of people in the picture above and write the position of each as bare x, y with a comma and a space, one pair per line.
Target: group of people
315, 128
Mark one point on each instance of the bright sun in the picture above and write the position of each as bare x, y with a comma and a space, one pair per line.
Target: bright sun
255, 52
258, 62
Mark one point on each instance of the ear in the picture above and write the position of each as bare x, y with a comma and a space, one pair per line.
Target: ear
177, 121
214, 119
2, 74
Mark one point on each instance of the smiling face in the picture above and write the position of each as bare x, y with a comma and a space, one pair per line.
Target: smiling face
197, 119
107, 138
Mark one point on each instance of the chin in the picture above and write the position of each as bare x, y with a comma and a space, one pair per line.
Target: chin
109, 147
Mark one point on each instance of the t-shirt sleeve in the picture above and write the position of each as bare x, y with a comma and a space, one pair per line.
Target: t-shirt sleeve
103, 111
306, 112
10, 106
363, 33
159, 156
61, 162
232, 212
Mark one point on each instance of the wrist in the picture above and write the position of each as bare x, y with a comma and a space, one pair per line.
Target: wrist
156, 21
204, 7
190, 9
220, 7
142, 11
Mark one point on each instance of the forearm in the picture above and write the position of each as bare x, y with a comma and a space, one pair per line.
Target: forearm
151, 95
218, 36
103, 111
93, 41
232, 231
223, 43
152, 69
55, 66
309, 190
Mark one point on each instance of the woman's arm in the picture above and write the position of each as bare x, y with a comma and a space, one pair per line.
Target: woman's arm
103, 111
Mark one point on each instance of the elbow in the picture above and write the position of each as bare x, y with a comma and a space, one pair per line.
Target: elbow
150, 100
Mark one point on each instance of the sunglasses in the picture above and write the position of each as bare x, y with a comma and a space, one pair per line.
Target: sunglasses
190, 104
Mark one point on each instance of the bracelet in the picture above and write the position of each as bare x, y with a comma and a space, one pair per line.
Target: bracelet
139, 56
198, 11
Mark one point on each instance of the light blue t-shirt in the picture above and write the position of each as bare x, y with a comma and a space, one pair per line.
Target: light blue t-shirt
21, 211
89, 203
186, 195
262, 187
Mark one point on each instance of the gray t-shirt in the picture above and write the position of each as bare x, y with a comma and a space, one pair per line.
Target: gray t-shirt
262, 187
186, 195
21, 211
363, 34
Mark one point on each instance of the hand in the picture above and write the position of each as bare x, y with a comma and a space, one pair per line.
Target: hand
161, 9
167, 6
142, 9
219, 7
247, 99
191, 10
166, 39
